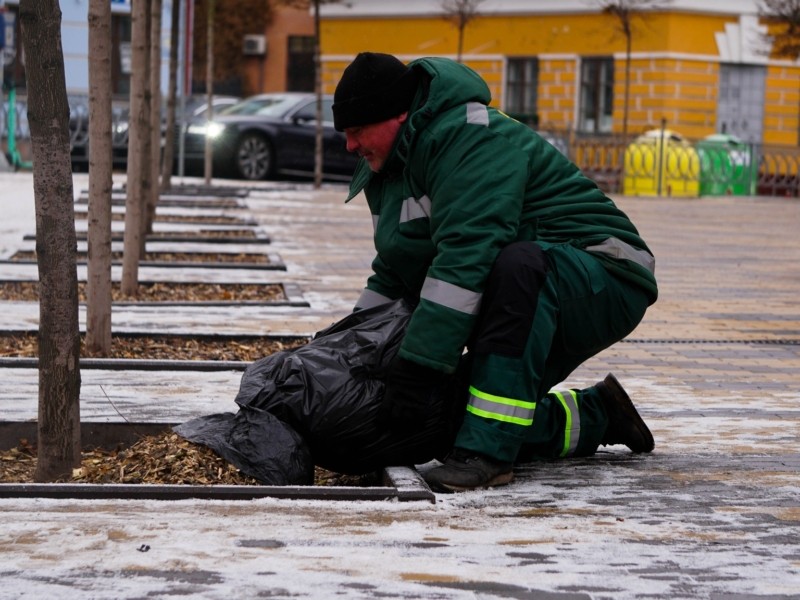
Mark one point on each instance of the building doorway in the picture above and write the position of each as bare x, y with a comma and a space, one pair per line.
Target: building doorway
740, 109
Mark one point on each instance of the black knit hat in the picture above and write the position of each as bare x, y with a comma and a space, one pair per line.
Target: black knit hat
373, 88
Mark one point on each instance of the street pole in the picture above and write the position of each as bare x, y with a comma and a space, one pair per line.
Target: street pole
181, 91
4, 166
208, 164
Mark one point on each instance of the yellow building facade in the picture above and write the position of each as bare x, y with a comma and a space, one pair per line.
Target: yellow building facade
697, 66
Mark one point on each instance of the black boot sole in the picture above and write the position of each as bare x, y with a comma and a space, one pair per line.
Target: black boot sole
446, 488
629, 413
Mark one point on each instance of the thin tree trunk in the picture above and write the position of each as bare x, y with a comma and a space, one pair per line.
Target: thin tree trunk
155, 113
209, 163
628, 45
172, 93
147, 154
318, 154
59, 438
98, 283
137, 135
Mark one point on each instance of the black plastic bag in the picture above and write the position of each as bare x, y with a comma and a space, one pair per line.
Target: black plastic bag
257, 443
329, 392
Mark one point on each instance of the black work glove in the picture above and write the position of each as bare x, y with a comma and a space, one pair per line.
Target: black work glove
408, 396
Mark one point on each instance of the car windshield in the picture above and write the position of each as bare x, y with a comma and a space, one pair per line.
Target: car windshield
219, 106
273, 106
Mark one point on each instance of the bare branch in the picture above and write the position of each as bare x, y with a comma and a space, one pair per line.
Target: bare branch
783, 19
625, 10
460, 13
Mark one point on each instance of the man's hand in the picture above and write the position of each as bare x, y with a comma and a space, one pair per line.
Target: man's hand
407, 397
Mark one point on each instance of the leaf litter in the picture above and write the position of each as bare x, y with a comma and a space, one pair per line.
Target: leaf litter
169, 291
166, 257
165, 459
163, 347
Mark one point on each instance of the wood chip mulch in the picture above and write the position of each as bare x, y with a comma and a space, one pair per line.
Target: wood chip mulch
165, 459
244, 234
28, 291
202, 219
166, 257
163, 347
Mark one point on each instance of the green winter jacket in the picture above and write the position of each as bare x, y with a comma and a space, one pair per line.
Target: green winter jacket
463, 181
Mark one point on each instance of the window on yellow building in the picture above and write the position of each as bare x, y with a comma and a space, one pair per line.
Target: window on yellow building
522, 80
597, 95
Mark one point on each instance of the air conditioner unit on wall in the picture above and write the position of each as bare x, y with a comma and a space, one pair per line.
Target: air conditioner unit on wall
254, 45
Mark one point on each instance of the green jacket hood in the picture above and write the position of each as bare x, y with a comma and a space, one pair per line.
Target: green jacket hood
450, 84
445, 84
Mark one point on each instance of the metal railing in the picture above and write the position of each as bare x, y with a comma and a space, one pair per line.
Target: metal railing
779, 171
663, 163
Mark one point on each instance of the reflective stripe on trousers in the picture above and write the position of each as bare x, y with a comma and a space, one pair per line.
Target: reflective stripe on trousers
507, 410
572, 423
520, 412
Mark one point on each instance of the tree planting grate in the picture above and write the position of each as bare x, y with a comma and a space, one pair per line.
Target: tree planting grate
707, 341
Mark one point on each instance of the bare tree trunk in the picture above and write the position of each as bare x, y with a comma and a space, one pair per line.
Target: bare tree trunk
137, 136
147, 154
155, 112
59, 435
318, 154
98, 281
209, 163
172, 93
460, 52
626, 108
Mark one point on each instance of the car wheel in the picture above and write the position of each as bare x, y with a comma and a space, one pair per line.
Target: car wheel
254, 157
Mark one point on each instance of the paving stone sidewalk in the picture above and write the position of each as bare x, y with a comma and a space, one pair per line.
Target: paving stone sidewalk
714, 512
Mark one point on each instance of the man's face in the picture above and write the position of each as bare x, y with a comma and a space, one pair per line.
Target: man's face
374, 142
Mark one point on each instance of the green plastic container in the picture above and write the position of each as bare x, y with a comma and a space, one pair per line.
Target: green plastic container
727, 166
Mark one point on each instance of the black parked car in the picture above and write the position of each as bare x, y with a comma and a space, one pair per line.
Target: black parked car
195, 108
79, 134
268, 135
195, 112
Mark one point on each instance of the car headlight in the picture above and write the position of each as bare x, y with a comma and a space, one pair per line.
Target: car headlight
214, 130
211, 129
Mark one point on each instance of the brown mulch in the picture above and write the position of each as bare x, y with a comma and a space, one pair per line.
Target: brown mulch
163, 347
202, 219
166, 257
244, 234
165, 459
28, 291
